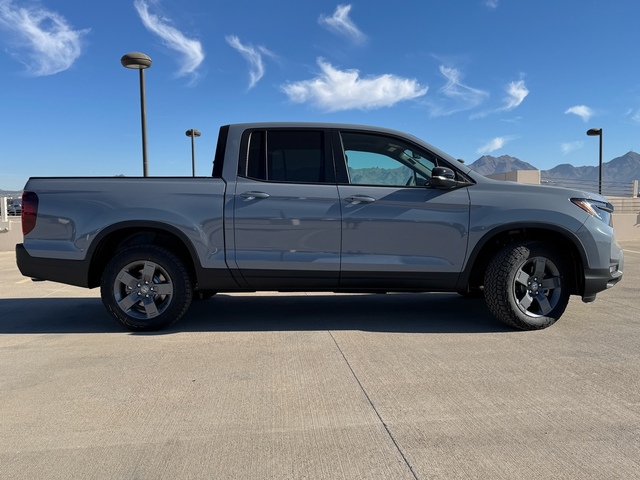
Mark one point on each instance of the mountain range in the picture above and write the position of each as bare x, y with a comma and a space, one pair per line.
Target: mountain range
620, 170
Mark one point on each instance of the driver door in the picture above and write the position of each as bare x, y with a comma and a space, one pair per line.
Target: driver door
394, 225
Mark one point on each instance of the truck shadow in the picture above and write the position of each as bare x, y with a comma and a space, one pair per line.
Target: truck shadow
402, 313
55, 315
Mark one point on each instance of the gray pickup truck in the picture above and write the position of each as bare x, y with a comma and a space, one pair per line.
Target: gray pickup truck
319, 207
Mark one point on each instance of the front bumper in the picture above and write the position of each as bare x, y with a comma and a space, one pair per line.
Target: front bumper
598, 280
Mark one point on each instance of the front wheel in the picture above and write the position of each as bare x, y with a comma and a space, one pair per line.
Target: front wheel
525, 286
146, 288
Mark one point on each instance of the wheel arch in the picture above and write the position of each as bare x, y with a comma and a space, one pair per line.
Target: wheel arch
565, 242
116, 237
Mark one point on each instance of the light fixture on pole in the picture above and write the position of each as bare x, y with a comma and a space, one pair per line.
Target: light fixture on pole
140, 61
193, 133
597, 132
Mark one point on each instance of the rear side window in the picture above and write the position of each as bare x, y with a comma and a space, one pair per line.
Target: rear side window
287, 156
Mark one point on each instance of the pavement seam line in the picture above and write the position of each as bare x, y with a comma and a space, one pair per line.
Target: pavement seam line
373, 406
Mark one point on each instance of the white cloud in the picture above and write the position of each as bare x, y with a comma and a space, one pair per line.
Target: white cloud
582, 111
516, 119
340, 23
334, 90
569, 147
52, 46
459, 97
192, 54
492, 3
634, 115
253, 55
516, 93
495, 144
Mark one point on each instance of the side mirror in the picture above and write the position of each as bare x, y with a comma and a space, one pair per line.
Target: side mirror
443, 177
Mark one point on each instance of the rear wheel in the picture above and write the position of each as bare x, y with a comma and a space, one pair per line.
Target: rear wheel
146, 288
525, 286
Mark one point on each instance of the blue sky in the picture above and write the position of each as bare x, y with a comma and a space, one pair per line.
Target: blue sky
525, 78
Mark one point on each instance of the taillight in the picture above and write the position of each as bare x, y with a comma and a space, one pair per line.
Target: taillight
29, 211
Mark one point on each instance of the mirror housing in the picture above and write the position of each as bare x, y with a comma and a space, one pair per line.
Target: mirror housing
443, 177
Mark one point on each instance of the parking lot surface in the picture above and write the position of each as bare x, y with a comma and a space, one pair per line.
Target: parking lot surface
317, 386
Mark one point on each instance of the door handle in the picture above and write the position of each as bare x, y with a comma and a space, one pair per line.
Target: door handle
254, 195
360, 199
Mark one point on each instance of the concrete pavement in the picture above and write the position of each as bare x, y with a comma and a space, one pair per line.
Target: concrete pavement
284, 386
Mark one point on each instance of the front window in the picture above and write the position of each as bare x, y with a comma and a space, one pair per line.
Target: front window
381, 160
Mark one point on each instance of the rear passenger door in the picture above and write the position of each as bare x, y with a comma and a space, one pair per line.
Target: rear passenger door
286, 210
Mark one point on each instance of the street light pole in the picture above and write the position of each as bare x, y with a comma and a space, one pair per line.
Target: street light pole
597, 132
193, 133
140, 61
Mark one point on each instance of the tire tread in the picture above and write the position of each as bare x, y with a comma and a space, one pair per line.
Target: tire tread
497, 282
181, 281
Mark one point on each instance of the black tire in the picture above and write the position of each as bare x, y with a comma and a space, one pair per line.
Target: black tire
525, 286
146, 287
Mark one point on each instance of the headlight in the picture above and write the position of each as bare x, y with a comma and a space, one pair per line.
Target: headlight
595, 208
